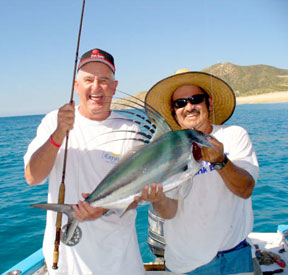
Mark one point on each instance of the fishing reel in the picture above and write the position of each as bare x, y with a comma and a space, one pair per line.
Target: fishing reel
75, 238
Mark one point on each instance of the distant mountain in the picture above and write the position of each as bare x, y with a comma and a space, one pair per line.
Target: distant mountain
244, 80
251, 80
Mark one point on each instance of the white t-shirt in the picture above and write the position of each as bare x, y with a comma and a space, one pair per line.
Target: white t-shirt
109, 244
210, 218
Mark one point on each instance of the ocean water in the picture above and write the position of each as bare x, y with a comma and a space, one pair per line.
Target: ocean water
22, 227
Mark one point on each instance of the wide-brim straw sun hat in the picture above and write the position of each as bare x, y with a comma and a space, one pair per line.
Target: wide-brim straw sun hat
222, 95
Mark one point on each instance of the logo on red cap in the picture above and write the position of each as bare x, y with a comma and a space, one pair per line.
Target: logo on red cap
96, 54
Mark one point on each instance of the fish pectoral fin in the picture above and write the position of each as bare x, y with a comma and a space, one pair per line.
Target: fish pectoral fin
120, 207
120, 212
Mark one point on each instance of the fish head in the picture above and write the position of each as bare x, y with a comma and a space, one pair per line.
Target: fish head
201, 139
198, 140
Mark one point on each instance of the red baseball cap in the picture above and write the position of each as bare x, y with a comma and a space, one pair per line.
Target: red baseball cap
97, 55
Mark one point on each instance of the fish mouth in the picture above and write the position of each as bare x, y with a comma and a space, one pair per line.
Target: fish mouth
196, 151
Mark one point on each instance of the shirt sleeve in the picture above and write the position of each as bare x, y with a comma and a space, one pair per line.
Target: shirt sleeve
241, 151
44, 130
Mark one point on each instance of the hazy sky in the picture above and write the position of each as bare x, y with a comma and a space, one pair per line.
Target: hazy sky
149, 39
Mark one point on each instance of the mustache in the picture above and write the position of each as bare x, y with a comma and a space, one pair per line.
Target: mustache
195, 111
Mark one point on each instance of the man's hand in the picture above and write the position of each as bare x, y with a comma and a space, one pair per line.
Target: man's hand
65, 122
215, 154
84, 211
152, 192
163, 205
155, 194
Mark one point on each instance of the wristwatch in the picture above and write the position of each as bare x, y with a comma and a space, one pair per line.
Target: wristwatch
220, 165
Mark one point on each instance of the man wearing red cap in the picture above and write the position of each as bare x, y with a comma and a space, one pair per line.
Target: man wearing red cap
109, 243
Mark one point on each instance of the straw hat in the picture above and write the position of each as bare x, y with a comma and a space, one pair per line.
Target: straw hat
159, 96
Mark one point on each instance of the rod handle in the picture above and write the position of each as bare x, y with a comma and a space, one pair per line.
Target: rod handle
56, 248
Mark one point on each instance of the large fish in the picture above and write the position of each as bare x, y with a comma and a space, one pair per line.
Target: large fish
170, 158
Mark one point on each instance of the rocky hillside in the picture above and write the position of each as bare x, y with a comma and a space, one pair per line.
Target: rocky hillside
245, 80
251, 80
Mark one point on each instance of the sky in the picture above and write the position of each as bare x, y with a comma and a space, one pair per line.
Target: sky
149, 39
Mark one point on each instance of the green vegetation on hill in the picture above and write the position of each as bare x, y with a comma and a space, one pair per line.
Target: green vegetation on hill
251, 80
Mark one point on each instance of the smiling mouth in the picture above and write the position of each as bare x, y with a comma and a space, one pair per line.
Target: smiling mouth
96, 97
192, 113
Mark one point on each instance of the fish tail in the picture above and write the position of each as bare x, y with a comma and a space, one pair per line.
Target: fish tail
67, 209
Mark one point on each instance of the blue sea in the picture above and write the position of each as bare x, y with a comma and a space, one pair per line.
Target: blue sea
22, 227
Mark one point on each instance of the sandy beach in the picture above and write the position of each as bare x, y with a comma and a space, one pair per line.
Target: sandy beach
254, 99
264, 98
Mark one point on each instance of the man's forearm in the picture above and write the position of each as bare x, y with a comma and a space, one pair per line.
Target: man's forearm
166, 207
238, 180
41, 163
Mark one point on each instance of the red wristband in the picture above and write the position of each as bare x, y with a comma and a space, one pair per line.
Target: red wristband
53, 142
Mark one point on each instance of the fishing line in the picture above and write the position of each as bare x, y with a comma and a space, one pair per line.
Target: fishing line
61, 196
213, 110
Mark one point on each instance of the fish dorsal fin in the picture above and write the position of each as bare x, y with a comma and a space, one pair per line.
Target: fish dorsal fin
162, 127
159, 132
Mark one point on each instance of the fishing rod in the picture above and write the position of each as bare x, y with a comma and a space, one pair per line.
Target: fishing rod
61, 194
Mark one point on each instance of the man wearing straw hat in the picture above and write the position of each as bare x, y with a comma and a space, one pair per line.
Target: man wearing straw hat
208, 219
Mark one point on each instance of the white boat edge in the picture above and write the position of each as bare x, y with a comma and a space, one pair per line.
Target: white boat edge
273, 242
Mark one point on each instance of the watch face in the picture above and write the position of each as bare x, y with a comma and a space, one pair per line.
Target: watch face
220, 165
217, 166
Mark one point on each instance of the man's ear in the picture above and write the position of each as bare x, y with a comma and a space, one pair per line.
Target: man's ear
76, 85
115, 86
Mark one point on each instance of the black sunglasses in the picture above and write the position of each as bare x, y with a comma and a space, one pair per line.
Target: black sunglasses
194, 99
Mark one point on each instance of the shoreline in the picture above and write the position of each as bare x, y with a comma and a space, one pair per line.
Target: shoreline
275, 97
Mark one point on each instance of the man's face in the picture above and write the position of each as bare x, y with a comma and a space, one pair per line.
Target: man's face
95, 86
192, 116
